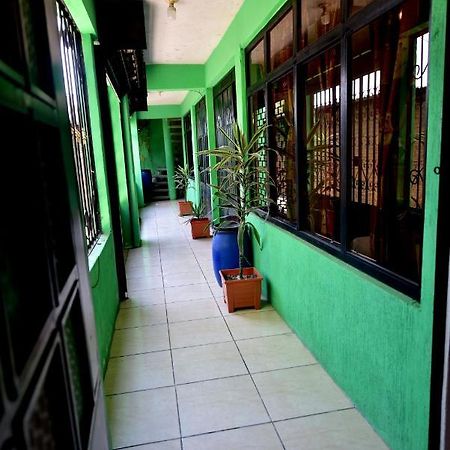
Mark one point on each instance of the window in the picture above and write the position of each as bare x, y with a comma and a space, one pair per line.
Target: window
76, 95
282, 138
225, 116
321, 135
203, 160
348, 122
188, 134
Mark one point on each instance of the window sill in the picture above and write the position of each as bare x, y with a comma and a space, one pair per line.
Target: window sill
97, 250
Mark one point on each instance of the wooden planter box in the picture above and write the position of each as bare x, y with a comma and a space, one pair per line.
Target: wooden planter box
185, 208
200, 228
242, 293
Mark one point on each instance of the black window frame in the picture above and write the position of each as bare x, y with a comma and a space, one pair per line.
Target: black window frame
339, 36
187, 123
78, 105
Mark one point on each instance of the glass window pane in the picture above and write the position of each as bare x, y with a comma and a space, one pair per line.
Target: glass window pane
281, 41
258, 116
257, 68
357, 5
317, 18
389, 87
322, 143
282, 139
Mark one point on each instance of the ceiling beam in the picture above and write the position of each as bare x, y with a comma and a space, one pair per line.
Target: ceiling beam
174, 77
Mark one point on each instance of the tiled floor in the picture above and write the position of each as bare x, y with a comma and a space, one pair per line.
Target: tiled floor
185, 374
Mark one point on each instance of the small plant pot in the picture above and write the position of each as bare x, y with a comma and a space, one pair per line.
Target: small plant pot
200, 228
185, 208
241, 293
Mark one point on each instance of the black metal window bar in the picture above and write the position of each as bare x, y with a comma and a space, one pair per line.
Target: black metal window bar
258, 120
203, 160
225, 112
76, 95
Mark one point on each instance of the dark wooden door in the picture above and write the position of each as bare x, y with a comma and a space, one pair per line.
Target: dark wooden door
50, 385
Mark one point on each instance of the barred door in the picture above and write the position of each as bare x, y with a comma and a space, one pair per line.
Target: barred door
50, 384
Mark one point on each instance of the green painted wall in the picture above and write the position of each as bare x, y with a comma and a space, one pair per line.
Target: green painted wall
151, 145
374, 341
175, 76
96, 132
83, 13
106, 298
130, 173
160, 112
114, 104
102, 264
168, 151
136, 159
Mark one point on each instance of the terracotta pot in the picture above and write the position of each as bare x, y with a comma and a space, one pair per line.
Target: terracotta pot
200, 228
185, 208
241, 293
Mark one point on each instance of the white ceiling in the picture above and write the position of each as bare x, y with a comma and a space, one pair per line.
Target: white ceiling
191, 38
166, 97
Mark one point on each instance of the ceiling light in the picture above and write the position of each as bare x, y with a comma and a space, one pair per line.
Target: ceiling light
171, 10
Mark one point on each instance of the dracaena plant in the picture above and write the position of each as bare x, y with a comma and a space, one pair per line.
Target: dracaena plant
181, 178
198, 210
239, 183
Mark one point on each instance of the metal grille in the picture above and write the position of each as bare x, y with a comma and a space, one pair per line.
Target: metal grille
325, 173
188, 134
203, 160
417, 169
76, 95
365, 135
224, 109
259, 119
283, 165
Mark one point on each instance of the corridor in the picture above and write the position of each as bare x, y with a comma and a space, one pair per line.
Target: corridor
183, 373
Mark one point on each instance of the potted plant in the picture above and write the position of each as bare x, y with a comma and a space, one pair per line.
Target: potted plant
199, 223
240, 169
181, 177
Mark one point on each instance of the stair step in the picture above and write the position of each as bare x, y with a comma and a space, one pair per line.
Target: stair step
162, 197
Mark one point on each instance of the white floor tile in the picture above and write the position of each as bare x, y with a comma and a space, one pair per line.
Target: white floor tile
138, 372
207, 362
274, 352
341, 430
195, 309
198, 332
167, 445
143, 283
256, 437
300, 391
131, 341
144, 298
143, 417
267, 323
184, 278
218, 405
187, 293
141, 316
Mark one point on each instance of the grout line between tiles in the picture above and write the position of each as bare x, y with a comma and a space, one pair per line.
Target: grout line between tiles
170, 345
254, 384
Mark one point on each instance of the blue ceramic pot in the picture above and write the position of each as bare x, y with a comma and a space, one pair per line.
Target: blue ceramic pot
147, 184
225, 251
